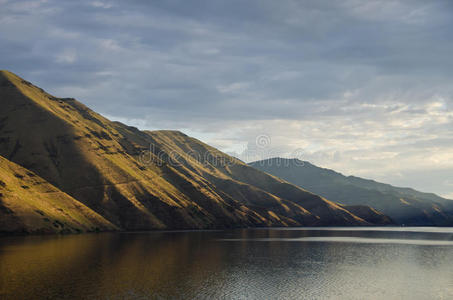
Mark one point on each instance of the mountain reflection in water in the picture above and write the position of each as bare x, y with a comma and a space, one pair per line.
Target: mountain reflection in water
296, 263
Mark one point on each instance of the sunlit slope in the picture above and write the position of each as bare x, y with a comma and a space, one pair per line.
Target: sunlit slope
29, 204
81, 153
128, 176
238, 180
403, 205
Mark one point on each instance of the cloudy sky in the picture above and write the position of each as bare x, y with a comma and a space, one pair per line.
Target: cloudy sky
362, 87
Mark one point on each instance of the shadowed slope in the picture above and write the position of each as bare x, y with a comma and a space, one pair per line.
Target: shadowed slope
29, 204
82, 154
403, 205
130, 178
229, 175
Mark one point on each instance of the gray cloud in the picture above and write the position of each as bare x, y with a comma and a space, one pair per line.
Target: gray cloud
361, 86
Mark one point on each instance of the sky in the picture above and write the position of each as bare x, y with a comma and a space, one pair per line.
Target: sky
361, 87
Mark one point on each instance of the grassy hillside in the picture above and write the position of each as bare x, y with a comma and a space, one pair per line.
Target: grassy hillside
238, 180
404, 205
29, 204
130, 178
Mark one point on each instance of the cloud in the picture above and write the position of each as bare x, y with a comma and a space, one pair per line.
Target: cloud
101, 4
68, 56
361, 86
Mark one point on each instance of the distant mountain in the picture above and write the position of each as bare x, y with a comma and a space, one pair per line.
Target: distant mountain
140, 180
404, 205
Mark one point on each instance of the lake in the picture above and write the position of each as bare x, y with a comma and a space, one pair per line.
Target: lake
280, 263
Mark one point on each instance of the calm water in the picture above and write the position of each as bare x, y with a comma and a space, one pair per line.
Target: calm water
312, 263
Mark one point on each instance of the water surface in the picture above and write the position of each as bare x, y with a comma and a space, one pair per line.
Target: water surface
294, 263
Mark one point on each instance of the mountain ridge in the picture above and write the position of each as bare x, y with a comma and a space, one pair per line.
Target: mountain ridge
404, 205
141, 180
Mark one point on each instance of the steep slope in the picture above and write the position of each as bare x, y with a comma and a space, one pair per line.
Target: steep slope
403, 205
29, 204
129, 177
226, 173
81, 153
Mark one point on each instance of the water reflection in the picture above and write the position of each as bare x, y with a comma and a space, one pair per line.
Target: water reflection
237, 264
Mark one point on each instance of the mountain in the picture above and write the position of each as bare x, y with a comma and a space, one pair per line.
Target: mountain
404, 205
141, 180
254, 188
29, 204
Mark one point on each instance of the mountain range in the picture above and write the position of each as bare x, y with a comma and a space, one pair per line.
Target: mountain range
405, 206
66, 168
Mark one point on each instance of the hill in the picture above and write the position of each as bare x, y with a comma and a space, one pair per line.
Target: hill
140, 180
29, 204
404, 205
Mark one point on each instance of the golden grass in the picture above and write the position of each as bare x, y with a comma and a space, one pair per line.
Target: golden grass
30, 204
97, 162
